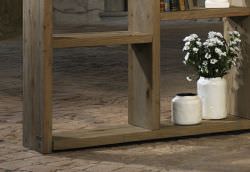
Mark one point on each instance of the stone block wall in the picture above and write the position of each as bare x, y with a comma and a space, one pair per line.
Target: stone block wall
10, 18
66, 13
77, 12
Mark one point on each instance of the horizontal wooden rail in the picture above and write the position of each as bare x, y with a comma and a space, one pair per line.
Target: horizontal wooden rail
70, 40
205, 13
121, 134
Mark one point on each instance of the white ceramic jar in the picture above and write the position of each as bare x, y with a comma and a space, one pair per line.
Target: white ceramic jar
213, 94
186, 109
217, 4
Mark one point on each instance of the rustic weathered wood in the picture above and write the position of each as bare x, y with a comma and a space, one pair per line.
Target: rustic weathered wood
206, 13
243, 98
144, 65
99, 39
232, 76
127, 133
237, 3
144, 77
37, 75
239, 81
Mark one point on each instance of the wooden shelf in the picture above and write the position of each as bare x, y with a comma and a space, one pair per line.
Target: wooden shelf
144, 76
205, 13
127, 133
70, 40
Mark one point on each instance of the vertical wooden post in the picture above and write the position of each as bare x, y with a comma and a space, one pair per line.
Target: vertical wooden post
144, 65
37, 75
239, 81
231, 77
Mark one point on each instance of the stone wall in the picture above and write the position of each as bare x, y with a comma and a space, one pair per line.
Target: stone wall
77, 12
10, 18
66, 12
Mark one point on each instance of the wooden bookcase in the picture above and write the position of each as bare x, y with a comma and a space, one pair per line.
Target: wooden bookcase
143, 38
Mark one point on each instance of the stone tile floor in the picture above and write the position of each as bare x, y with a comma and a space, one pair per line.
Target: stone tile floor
90, 90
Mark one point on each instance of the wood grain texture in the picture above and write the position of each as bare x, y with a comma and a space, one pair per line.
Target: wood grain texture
99, 39
37, 75
206, 13
127, 133
28, 132
144, 65
231, 77
144, 77
243, 98
239, 80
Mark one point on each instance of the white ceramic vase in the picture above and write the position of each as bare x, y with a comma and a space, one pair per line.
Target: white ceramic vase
217, 4
186, 109
213, 94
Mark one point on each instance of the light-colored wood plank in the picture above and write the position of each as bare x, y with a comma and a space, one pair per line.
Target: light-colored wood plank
144, 65
239, 82
128, 133
206, 13
231, 77
237, 3
99, 39
28, 45
37, 75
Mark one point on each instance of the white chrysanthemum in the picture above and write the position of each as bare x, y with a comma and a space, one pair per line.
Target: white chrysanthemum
233, 43
204, 69
198, 43
218, 51
187, 56
232, 49
219, 35
237, 40
205, 63
237, 49
195, 49
211, 42
234, 63
192, 37
208, 56
189, 79
236, 33
187, 43
186, 48
224, 54
216, 41
213, 61
213, 34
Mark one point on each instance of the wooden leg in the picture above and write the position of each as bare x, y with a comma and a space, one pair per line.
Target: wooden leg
144, 65
243, 97
143, 94
240, 80
37, 75
232, 76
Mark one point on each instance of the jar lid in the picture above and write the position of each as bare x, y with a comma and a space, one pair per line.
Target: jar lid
186, 94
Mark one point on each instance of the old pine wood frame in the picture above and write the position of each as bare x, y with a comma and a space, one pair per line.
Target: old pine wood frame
143, 37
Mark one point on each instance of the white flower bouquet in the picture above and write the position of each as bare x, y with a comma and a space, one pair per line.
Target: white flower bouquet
214, 57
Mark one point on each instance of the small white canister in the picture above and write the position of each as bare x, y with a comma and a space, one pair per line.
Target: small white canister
186, 109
